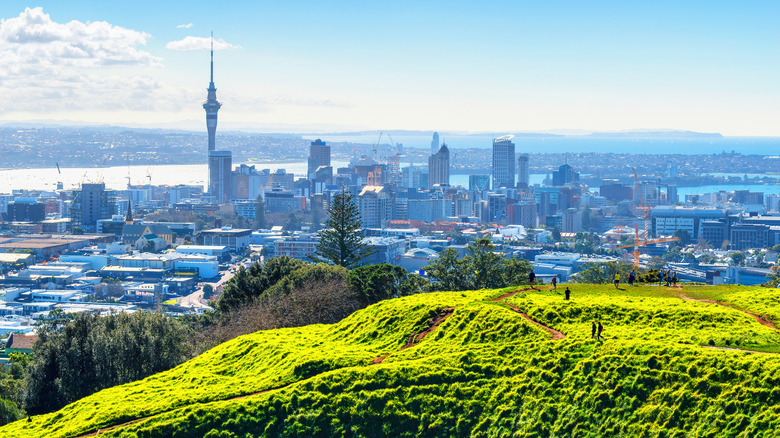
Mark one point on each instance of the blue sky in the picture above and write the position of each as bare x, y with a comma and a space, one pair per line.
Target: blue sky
472, 66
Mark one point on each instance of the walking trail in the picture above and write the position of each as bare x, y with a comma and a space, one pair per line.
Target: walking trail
556, 335
761, 319
413, 340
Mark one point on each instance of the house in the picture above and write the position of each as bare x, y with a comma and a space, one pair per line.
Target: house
155, 242
20, 343
132, 232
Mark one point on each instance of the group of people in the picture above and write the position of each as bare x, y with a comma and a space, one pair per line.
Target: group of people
671, 277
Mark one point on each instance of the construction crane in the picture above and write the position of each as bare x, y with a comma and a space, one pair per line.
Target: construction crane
646, 216
645, 210
644, 242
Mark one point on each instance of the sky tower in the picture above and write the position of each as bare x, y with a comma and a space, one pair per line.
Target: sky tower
211, 105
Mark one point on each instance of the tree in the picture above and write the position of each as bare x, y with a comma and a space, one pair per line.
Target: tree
208, 291
249, 284
260, 212
485, 264
684, 236
78, 231
378, 282
738, 259
92, 352
342, 243
449, 272
556, 234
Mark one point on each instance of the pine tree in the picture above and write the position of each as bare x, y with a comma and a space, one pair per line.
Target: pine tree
342, 243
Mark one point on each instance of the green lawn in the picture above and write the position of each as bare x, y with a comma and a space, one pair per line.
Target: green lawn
484, 371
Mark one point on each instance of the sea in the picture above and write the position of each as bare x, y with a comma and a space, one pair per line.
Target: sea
116, 178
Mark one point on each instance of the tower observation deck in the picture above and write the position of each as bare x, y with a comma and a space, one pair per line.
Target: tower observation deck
212, 106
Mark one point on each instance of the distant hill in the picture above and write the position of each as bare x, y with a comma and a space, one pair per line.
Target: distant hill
511, 362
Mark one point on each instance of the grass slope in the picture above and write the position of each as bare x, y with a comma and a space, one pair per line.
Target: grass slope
483, 371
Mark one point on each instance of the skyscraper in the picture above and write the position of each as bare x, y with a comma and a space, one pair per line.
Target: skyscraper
212, 106
503, 162
439, 167
220, 176
523, 176
319, 155
435, 143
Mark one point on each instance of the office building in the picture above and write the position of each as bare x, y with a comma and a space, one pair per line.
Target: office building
523, 175
91, 203
220, 176
564, 175
439, 167
26, 210
435, 143
246, 182
319, 155
376, 206
503, 162
615, 191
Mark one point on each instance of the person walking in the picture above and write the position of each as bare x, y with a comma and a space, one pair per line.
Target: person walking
567, 293
531, 278
674, 279
660, 277
631, 278
555, 282
669, 277
617, 279
598, 334
593, 330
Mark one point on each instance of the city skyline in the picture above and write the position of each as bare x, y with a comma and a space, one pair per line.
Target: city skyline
497, 67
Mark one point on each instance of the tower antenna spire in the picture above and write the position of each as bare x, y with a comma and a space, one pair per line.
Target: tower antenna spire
212, 57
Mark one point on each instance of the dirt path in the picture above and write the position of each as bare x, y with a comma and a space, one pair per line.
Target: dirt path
736, 349
138, 420
556, 335
415, 338
761, 319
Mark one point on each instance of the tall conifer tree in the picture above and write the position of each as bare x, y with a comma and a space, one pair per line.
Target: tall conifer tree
342, 243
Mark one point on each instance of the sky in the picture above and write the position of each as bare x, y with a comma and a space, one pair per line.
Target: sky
479, 66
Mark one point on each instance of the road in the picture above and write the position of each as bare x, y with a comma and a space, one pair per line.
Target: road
195, 299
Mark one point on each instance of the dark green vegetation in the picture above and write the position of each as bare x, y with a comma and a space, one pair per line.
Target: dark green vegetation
485, 370
481, 268
90, 352
342, 242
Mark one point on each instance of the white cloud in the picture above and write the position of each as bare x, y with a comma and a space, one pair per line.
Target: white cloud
198, 43
52, 67
184, 26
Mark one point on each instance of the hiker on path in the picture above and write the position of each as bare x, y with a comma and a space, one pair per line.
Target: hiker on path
617, 280
531, 277
660, 277
593, 329
598, 334
555, 282
674, 279
567, 293
669, 277
631, 278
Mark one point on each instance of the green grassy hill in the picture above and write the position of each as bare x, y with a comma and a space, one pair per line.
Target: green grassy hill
481, 363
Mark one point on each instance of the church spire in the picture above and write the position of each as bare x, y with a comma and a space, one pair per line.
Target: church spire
129, 216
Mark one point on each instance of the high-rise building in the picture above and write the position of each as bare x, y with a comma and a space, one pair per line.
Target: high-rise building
523, 175
246, 182
91, 203
439, 167
220, 162
564, 175
435, 143
503, 162
220, 176
319, 155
